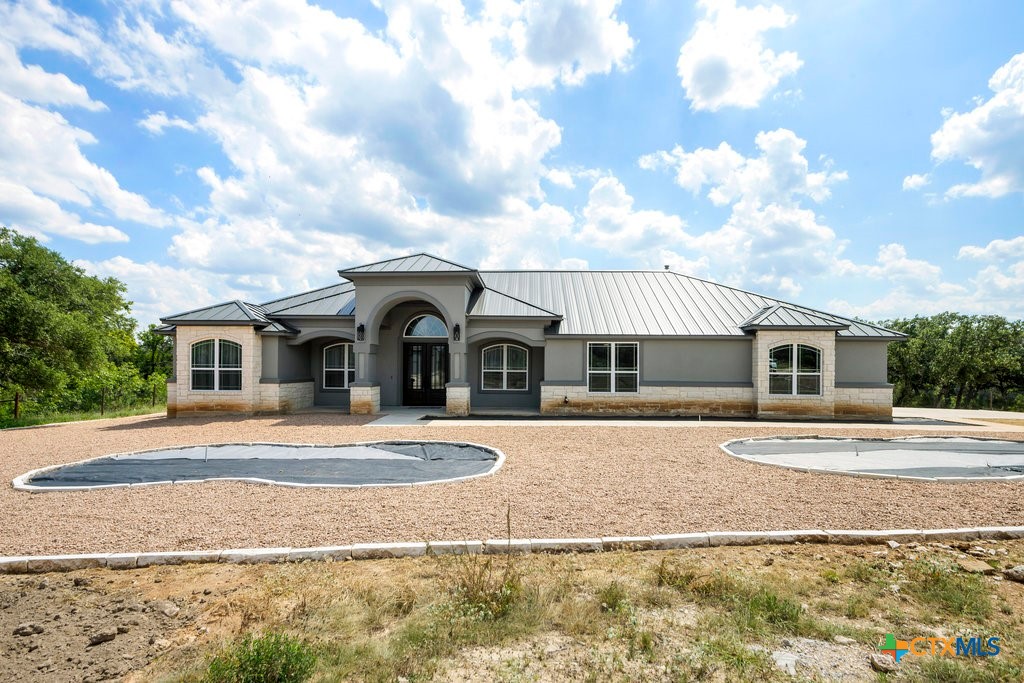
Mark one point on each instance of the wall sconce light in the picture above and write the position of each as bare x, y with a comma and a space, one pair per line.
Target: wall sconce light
361, 332
457, 332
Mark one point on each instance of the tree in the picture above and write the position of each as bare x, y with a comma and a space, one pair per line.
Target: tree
154, 353
57, 324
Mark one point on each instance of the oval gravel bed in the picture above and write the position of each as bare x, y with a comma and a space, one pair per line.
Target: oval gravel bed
376, 463
556, 482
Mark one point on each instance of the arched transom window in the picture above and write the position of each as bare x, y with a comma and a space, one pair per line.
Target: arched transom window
505, 368
339, 366
794, 369
216, 365
426, 326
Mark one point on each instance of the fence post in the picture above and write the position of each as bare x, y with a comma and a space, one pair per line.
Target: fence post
103, 400
153, 403
17, 405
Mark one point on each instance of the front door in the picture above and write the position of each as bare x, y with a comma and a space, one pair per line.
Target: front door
425, 374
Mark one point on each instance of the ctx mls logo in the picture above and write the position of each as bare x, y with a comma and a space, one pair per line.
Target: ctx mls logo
978, 646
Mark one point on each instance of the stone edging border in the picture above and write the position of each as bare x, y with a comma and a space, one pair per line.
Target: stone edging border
20, 483
865, 475
376, 551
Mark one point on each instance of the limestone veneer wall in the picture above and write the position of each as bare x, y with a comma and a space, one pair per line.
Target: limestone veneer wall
364, 399
649, 400
457, 399
874, 403
188, 402
785, 405
285, 397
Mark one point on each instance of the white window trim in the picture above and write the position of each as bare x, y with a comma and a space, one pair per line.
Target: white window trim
215, 367
612, 371
795, 373
349, 353
504, 368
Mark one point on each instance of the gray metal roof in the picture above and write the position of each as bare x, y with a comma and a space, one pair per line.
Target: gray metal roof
648, 303
417, 263
228, 312
277, 328
339, 299
788, 317
490, 303
590, 303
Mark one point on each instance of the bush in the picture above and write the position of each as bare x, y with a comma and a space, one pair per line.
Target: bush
267, 658
480, 590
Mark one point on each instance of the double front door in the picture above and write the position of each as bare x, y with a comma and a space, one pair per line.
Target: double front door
425, 372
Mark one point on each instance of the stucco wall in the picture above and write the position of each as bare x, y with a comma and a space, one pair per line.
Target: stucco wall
564, 360
862, 361
337, 398
695, 360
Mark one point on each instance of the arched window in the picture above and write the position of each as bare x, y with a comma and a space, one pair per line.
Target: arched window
794, 369
216, 365
504, 367
339, 366
426, 326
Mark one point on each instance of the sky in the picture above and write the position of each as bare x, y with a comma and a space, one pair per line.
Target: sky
865, 158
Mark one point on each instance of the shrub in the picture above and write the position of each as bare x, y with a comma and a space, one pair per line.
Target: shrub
267, 658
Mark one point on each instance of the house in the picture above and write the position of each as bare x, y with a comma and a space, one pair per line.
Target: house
423, 331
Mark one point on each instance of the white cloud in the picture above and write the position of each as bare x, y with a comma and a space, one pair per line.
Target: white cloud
612, 224
995, 250
41, 151
157, 123
725, 63
567, 41
27, 212
916, 181
33, 84
769, 240
989, 137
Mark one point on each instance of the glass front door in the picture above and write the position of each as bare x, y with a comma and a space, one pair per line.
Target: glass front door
425, 374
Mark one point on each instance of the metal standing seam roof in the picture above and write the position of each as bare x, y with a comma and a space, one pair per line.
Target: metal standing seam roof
488, 303
590, 303
652, 303
416, 263
781, 316
231, 311
339, 299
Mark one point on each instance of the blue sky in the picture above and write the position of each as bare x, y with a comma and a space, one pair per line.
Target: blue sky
865, 158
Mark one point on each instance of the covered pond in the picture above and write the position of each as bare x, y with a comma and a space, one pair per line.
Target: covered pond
930, 458
381, 463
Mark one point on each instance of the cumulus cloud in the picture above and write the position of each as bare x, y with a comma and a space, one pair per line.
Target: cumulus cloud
990, 137
611, 222
916, 181
996, 250
725, 63
770, 239
41, 155
157, 123
33, 84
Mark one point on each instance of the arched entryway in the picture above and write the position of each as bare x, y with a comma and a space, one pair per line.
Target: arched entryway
425, 361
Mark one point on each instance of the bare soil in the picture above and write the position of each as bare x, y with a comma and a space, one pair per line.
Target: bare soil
557, 482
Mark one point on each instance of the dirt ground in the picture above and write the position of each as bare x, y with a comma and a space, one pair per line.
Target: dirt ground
557, 482
164, 623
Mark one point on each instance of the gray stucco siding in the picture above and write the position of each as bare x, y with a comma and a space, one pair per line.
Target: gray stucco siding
338, 398
862, 362
696, 361
481, 398
564, 360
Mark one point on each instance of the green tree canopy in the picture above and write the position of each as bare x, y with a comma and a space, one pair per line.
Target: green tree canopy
56, 322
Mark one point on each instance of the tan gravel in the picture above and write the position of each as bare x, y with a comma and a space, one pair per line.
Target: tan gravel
558, 481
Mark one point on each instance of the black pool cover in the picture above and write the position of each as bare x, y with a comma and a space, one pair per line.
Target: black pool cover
376, 464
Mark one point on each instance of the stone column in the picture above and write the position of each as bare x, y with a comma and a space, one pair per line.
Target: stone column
457, 399
364, 394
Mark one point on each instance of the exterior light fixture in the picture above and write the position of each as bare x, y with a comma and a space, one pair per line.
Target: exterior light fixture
457, 332
361, 332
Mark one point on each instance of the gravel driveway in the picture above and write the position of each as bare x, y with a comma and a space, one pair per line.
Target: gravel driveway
589, 480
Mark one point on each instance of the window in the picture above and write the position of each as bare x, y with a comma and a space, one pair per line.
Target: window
216, 365
504, 368
794, 369
339, 366
613, 367
426, 326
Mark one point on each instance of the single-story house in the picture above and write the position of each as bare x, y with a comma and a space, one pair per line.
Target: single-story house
423, 331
